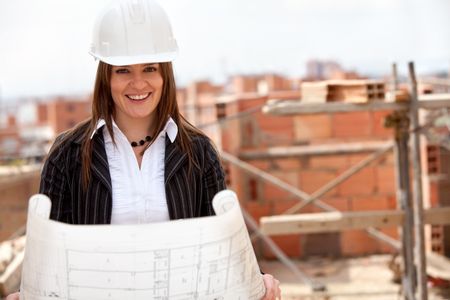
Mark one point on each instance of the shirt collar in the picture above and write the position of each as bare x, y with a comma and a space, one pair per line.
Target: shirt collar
100, 124
171, 128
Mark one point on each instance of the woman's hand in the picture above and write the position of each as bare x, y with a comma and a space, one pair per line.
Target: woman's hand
15, 296
272, 285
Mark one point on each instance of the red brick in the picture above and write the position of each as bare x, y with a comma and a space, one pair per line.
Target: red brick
274, 123
286, 164
14, 203
356, 158
433, 194
258, 210
361, 183
386, 182
388, 160
392, 202
312, 180
281, 128
272, 192
340, 203
281, 206
358, 242
312, 127
289, 244
392, 232
260, 164
378, 125
368, 203
334, 162
352, 125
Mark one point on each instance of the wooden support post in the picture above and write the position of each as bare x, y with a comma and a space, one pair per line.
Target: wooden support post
404, 201
417, 190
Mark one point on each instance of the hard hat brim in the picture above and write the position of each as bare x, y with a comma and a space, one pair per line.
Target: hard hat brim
137, 59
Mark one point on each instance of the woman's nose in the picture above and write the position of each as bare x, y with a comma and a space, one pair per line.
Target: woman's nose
138, 82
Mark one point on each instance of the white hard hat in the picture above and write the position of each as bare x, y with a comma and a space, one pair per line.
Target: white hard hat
131, 32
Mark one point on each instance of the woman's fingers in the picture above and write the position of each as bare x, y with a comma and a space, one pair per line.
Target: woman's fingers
15, 296
273, 291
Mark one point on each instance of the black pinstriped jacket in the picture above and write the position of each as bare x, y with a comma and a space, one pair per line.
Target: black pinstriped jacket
188, 195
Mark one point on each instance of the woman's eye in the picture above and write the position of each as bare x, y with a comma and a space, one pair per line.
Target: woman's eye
121, 71
150, 69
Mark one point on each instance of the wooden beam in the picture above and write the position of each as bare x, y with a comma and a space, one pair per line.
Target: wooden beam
338, 221
435, 81
307, 150
290, 107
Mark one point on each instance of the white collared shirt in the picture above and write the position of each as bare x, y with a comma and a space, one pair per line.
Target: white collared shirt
138, 195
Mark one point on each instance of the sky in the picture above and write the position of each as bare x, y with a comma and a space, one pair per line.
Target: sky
44, 43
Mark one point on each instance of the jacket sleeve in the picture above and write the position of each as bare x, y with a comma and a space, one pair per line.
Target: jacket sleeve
54, 185
213, 179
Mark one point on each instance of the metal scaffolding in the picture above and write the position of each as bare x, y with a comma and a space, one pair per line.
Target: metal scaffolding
404, 120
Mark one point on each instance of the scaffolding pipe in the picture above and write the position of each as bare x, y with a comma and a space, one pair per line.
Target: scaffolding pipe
417, 190
400, 122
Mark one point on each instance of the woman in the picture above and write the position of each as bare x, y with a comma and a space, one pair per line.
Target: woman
136, 160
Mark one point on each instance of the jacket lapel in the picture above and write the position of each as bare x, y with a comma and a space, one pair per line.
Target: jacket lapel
100, 167
174, 159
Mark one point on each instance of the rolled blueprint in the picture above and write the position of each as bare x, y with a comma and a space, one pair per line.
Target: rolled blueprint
202, 258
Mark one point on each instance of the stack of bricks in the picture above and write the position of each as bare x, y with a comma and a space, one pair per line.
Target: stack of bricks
353, 91
436, 195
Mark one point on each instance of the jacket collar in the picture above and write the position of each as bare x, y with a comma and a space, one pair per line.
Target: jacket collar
171, 128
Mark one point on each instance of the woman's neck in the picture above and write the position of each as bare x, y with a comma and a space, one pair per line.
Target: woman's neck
135, 129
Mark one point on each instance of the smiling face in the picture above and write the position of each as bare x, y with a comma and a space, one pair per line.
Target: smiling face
136, 92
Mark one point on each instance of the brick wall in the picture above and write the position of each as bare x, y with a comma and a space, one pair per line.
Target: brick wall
14, 202
63, 114
373, 188
436, 194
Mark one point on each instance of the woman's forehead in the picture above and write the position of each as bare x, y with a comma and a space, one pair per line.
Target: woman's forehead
137, 65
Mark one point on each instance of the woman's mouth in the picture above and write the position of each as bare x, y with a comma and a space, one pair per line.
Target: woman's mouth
139, 97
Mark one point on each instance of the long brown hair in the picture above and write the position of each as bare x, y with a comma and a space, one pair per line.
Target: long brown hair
103, 108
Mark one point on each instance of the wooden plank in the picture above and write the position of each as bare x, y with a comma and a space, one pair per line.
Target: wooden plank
296, 107
289, 107
326, 149
338, 221
438, 266
435, 81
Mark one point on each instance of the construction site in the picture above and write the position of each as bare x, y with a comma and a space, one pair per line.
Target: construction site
343, 182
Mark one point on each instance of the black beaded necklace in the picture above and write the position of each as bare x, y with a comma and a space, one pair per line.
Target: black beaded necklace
141, 142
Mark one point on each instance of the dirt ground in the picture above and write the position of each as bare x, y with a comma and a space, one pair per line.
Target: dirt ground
364, 278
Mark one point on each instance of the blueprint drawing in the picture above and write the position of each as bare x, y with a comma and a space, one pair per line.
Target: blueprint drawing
203, 258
